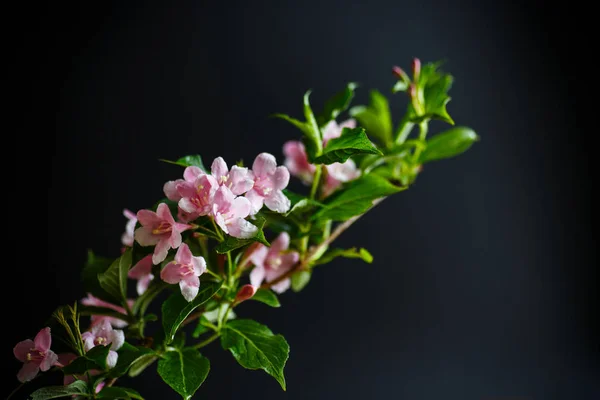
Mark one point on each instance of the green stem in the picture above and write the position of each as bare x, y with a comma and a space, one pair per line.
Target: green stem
208, 271
217, 230
15, 391
423, 128
207, 341
317, 179
404, 129
230, 276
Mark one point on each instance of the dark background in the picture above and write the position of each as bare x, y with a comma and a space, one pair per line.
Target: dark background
484, 283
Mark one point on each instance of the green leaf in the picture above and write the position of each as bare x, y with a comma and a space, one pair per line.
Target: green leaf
114, 392
375, 118
232, 243
300, 203
176, 309
300, 279
94, 266
433, 86
266, 296
351, 142
184, 370
114, 279
93, 359
138, 366
356, 198
188, 161
337, 104
128, 354
55, 392
201, 327
361, 253
141, 303
254, 346
448, 144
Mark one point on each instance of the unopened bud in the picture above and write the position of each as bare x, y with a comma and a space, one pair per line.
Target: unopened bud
416, 68
400, 74
245, 293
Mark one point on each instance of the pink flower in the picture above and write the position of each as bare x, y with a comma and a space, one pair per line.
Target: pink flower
190, 174
185, 271
332, 130
296, 161
93, 301
197, 196
269, 180
142, 271
104, 335
238, 180
229, 213
337, 173
271, 263
35, 354
127, 237
160, 229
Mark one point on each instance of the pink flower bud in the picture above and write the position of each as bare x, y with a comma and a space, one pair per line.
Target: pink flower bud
416, 68
400, 74
245, 293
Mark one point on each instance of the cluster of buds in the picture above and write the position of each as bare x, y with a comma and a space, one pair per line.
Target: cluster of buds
412, 87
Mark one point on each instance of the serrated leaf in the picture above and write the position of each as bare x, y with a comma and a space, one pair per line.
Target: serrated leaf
232, 243
55, 392
89, 275
114, 279
128, 354
95, 358
300, 279
176, 309
184, 370
337, 104
353, 252
351, 142
356, 198
267, 297
188, 161
448, 144
254, 346
375, 118
114, 392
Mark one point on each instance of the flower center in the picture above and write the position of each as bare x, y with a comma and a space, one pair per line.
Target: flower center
274, 262
187, 269
163, 227
35, 355
100, 341
263, 185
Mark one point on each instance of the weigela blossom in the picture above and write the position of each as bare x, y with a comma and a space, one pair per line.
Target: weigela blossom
142, 271
273, 262
185, 270
96, 319
127, 237
197, 196
35, 355
160, 229
104, 334
335, 174
229, 213
238, 179
269, 181
189, 175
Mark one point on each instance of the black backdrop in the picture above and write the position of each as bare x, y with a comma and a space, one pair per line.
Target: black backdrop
484, 280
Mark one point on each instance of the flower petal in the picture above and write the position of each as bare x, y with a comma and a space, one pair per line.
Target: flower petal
281, 177
190, 287
256, 201
259, 254
141, 269
43, 340
240, 228
280, 244
343, 172
282, 286
199, 265
186, 205
111, 358
288, 260
171, 273
129, 215
183, 255
240, 180
116, 338
49, 360
257, 276
220, 221
88, 340
160, 251
264, 164
223, 199
141, 287
145, 237
170, 189
148, 218
278, 202
240, 207
22, 348
175, 239
28, 371
192, 172
164, 213
219, 168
